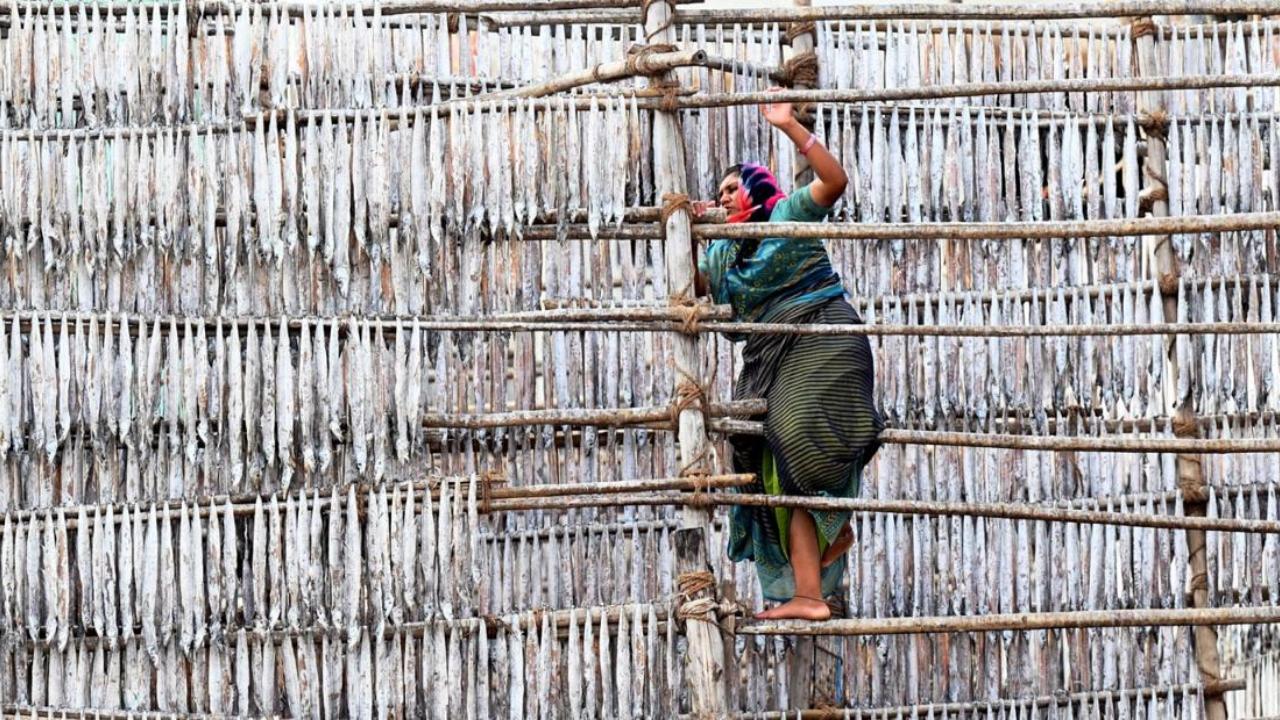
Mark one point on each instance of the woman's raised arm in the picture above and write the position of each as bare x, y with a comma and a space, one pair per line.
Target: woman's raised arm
831, 178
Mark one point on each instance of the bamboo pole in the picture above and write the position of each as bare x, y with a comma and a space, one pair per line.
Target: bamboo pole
243, 505
490, 624
1054, 443
692, 324
1189, 328
1019, 87
1125, 227
992, 11
982, 706
1144, 617
1049, 294
201, 8
1191, 481
635, 64
585, 416
1007, 511
904, 11
704, 662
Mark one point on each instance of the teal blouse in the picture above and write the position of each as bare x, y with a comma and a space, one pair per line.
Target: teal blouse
780, 275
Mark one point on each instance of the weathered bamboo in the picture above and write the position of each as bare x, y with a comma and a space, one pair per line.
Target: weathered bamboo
1191, 481
243, 505
895, 12
584, 416
1015, 622
559, 619
1125, 227
958, 90
637, 64
994, 11
1008, 511
948, 709
744, 67
200, 8
704, 663
1048, 294
1189, 328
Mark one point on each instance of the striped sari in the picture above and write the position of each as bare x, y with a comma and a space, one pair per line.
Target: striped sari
821, 427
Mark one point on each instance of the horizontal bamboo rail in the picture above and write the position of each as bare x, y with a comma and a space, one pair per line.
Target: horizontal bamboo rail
1014, 621
245, 505
548, 319
1082, 443
490, 624
1055, 443
200, 8
1187, 328
958, 90
1047, 295
898, 11
932, 508
692, 323
1122, 227
950, 708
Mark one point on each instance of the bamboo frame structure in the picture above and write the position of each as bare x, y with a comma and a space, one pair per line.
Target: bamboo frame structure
243, 505
960, 90
1191, 479
688, 320
637, 64
901, 11
1007, 511
1151, 617
1122, 227
947, 709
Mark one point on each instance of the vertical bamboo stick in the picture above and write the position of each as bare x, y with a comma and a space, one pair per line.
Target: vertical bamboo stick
1190, 472
704, 661
803, 41
804, 666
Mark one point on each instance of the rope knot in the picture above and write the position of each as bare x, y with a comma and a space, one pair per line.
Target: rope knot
1142, 27
801, 70
639, 57
691, 583
672, 203
796, 29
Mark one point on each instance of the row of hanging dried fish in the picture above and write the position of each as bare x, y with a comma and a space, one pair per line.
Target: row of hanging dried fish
1254, 654
619, 663
331, 562
248, 406
993, 667
337, 563
876, 55
79, 66
323, 195
967, 383
949, 164
90, 223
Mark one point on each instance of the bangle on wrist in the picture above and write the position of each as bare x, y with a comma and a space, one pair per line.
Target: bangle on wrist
804, 149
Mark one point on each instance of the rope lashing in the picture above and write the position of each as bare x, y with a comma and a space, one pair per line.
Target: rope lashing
638, 56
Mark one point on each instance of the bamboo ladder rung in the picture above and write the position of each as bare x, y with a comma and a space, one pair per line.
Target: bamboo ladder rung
1144, 617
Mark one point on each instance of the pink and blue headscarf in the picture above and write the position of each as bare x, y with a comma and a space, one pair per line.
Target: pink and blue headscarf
758, 192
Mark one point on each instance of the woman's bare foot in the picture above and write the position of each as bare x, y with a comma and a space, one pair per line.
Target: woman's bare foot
837, 549
797, 608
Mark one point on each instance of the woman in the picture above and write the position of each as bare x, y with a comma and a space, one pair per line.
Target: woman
821, 426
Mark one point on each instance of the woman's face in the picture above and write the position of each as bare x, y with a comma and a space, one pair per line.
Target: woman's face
729, 193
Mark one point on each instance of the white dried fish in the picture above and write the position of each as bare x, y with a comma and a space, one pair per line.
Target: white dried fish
270, 395
352, 578
285, 401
